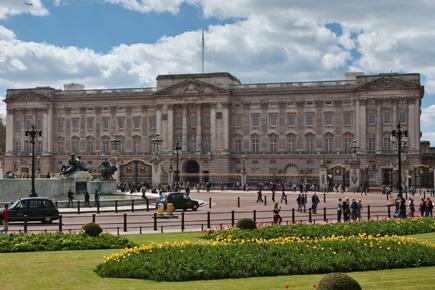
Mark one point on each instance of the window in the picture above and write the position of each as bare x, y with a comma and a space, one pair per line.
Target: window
309, 144
255, 144
152, 147
60, 123
17, 124
28, 124
402, 117
347, 144
387, 117
90, 122
121, 145
327, 144
193, 121
75, 145
39, 124
206, 144
60, 148
90, 146
371, 146
105, 122
387, 144
120, 122
75, 124
105, 146
39, 147
237, 121
347, 118
309, 119
192, 145
238, 145
371, 118
291, 144
136, 122
136, 146
255, 120
273, 146
291, 119
206, 121
152, 122
17, 146
27, 147
273, 120
328, 118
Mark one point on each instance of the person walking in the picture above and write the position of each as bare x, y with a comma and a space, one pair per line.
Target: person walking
5, 218
422, 207
299, 202
346, 210
87, 199
354, 209
428, 207
277, 219
97, 198
315, 201
273, 192
283, 195
339, 210
70, 198
411, 208
304, 201
259, 196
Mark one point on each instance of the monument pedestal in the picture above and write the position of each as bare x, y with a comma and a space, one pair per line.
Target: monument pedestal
103, 186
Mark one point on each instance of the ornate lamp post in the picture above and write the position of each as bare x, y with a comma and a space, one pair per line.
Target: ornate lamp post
354, 149
33, 134
177, 151
401, 137
156, 140
243, 172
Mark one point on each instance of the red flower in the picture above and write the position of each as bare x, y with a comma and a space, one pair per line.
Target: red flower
286, 286
314, 286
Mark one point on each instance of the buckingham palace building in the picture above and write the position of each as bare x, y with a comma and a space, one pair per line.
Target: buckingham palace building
322, 132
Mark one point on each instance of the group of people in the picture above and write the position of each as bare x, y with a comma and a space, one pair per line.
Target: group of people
401, 206
87, 200
347, 210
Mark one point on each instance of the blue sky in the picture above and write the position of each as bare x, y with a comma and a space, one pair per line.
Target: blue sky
127, 43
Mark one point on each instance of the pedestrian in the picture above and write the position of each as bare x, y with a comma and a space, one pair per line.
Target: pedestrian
87, 199
70, 198
273, 193
346, 210
360, 208
402, 207
299, 202
315, 201
259, 196
428, 207
97, 198
411, 208
283, 195
277, 219
187, 190
339, 210
5, 218
422, 207
304, 201
354, 209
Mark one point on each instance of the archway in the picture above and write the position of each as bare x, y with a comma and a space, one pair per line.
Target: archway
191, 172
291, 174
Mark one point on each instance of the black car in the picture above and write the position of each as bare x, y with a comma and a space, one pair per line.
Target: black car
35, 208
179, 200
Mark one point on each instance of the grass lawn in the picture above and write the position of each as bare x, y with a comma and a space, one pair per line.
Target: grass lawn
74, 270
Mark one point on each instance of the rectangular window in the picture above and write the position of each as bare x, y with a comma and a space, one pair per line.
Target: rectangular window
237, 121
387, 117
120, 123
206, 144
192, 121
371, 118
291, 117
371, 146
328, 118
75, 124
105, 146
192, 146
347, 144
327, 145
402, 117
238, 145
136, 146
136, 122
309, 145
347, 118
39, 124
291, 144
255, 120
17, 147
273, 147
309, 119
105, 122
387, 144
90, 121
273, 120
255, 145
75, 146
60, 123
90, 146
28, 124
17, 124
206, 121
60, 147
152, 122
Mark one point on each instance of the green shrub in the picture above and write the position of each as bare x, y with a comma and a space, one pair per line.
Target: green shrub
60, 242
183, 261
338, 281
92, 229
382, 228
246, 224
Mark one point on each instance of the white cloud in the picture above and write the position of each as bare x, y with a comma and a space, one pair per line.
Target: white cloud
6, 34
429, 136
16, 7
145, 6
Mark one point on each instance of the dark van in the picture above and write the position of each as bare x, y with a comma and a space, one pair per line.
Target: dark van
35, 208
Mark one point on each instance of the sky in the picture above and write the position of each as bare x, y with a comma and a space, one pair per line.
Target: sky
127, 43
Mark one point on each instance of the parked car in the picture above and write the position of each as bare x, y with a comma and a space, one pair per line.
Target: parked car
179, 200
35, 208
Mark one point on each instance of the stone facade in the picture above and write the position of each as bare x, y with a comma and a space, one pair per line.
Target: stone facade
287, 131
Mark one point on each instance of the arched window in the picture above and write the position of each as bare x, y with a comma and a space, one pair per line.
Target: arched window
255, 143
291, 143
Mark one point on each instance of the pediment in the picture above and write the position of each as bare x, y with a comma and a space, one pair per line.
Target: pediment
192, 87
27, 96
388, 82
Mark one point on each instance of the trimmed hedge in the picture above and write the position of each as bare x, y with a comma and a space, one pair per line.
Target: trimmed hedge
382, 228
92, 229
246, 224
182, 261
60, 242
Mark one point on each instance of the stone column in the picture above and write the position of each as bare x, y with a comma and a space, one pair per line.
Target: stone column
156, 171
171, 129
51, 126
394, 118
10, 125
355, 176
411, 126
184, 136
159, 120
379, 127
323, 177
45, 131
213, 127
417, 124
98, 130
198, 128
225, 131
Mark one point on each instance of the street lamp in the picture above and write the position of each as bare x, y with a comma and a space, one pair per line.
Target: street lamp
401, 136
177, 151
32, 135
156, 140
243, 163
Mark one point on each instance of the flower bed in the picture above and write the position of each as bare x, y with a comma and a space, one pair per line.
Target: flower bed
59, 241
182, 261
387, 227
